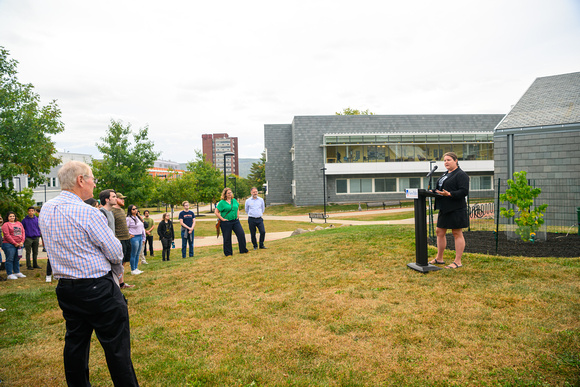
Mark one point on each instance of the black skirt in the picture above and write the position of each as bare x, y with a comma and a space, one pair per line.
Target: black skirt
454, 219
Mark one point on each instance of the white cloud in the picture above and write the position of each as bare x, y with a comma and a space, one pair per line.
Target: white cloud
187, 68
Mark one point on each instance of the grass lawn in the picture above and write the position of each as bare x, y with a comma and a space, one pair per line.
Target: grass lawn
203, 228
335, 307
378, 217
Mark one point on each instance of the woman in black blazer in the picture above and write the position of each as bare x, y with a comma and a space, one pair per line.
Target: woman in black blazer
453, 187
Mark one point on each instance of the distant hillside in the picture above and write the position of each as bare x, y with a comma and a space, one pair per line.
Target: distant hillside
245, 165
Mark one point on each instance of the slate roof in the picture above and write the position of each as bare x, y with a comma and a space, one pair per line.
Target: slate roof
553, 100
424, 123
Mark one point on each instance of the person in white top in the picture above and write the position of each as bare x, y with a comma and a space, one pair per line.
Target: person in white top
255, 208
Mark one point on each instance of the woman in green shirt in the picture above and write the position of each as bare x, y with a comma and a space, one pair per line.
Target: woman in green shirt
228, 211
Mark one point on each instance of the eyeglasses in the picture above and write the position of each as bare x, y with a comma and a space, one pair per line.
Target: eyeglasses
96, 181
134, 209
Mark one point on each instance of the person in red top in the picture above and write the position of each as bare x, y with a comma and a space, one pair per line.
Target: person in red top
13, 240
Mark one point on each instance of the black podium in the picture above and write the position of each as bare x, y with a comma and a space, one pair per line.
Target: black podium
421, 258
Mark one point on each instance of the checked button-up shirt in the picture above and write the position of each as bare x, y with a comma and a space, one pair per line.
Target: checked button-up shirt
77, 238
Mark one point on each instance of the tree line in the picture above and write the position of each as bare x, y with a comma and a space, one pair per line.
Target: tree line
26, 148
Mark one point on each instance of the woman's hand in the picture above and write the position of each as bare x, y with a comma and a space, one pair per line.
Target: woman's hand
444, 193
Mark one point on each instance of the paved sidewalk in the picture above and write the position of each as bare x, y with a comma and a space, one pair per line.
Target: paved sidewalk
335, 219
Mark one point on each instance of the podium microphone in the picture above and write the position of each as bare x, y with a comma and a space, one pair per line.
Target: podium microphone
432, 171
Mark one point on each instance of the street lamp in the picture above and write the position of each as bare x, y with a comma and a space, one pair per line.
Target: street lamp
227, 154
324, 190
235, 185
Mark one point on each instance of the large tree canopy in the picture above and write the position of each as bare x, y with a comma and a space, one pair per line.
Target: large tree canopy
25, 128
126, 162
209, 179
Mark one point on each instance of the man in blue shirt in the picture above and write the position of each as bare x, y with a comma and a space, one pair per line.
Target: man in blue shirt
32, 233
82, 248
255, 208
187, 221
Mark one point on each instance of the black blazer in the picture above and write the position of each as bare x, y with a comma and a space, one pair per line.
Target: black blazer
165, 228
457, 184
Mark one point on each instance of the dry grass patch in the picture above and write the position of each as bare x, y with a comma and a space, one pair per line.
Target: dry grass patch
335, 307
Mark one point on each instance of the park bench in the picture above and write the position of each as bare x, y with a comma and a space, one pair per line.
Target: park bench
316, 215
384, 204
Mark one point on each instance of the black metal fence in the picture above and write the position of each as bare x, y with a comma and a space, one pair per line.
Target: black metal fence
561, 216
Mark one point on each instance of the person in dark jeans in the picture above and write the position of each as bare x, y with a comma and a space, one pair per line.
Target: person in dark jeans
187, 221
149, 224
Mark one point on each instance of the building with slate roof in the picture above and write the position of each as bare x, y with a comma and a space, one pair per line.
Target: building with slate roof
541, 135
373, 158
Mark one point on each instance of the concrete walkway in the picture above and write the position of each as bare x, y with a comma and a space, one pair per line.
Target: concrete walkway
334, 219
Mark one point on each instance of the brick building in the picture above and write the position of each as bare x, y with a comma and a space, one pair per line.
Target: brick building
215, 145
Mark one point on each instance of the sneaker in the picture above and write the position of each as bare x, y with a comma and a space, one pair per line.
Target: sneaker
48, 278
136, 272
127, 286
19, 275
144, 262
11, 276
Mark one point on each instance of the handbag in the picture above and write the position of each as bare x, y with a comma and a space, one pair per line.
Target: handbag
219, 221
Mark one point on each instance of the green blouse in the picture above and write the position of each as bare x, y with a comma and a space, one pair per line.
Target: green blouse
227, 211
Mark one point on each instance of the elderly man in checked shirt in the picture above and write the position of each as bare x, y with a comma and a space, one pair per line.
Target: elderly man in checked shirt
82, 247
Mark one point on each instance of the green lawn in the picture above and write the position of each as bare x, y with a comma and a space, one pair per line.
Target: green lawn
335, 307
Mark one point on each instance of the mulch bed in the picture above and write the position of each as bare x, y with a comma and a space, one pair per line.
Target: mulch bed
483, 242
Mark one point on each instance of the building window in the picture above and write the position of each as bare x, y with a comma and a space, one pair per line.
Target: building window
341, 186
480, 182
407, 147
409, 182
361, 185
385, 185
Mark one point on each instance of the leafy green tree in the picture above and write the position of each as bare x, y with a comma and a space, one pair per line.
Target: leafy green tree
209, 180
125, 163
25, 128
354, 112
257, 175
522, 195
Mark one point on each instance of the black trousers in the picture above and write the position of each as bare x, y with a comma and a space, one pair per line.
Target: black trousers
148, 240
166, 243
236, 227
126, 244
31, 244
95, 304
258, 223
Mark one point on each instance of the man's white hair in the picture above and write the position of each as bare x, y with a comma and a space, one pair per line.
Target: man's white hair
70, 171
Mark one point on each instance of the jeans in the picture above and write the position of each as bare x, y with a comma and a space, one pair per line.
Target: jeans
186, 239
12, 259
227, 228
136, 242
98, 305
259, 223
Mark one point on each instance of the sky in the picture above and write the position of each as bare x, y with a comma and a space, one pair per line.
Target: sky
186, 68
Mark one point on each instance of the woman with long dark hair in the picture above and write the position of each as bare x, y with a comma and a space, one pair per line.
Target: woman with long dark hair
166, 236
13, 241
137, 231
